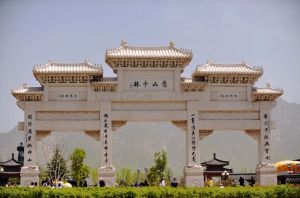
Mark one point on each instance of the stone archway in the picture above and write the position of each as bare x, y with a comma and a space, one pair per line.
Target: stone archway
148, 87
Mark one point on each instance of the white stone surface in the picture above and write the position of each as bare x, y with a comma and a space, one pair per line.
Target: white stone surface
29, 175
193, 176
147, 90
108, 173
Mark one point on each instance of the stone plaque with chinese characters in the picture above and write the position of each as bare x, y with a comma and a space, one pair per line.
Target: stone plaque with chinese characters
228, 93
67, 93
150, 80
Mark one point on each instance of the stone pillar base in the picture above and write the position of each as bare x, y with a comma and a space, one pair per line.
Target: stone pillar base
29, 174
193, 176
266, 174
107, 173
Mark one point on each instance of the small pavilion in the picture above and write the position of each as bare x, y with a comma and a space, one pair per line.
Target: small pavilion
9, 169
12, 167
215, 167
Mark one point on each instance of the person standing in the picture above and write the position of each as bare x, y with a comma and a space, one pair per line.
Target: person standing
174, 183
210, 182
242, 181
101, 182
252, 181
162, 182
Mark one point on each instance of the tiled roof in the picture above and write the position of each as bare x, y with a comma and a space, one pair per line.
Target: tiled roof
266, 94
215, 162
228, 69
11, 162
68, 68
269, 91
28, 90
170, 51
187, 80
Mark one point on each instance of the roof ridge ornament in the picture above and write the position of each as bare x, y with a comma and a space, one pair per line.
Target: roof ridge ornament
24, 85
172, 44
209, 61
124, 43
268, 85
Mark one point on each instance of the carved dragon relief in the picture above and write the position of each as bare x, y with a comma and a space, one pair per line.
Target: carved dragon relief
42, 134
117, 124
253, 133
93, 134
204, 133
181, 124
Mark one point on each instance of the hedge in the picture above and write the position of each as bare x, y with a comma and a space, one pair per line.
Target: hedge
281, 191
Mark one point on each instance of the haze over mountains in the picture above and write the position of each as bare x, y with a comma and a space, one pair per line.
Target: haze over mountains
135, 143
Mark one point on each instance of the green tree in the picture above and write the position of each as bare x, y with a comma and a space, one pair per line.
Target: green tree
159, 169
57, 166
124, 177
168, 175
80, 171
94, 176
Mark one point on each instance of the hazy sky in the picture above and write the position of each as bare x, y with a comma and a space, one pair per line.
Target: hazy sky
263, 33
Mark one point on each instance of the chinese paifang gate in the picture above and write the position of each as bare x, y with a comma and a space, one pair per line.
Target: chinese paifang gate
148, 87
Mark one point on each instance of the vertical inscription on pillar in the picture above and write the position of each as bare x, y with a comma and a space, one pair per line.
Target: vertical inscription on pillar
28, 138
266, 133
29, 129
194, 148
105, 137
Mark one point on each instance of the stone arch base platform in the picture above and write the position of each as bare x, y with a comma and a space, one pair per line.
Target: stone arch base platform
266, 174
108, 173
193, 176
29, 174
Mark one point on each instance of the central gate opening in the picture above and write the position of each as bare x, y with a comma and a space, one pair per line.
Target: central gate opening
135, 143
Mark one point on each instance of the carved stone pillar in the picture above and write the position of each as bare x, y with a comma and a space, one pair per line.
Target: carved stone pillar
193, 172
265, 171
30, 171
106, 171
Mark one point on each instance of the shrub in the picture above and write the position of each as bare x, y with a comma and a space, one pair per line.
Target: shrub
282, 191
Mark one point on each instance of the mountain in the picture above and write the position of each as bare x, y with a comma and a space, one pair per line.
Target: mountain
134, 144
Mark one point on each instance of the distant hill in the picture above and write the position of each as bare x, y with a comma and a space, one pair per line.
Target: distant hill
135, 143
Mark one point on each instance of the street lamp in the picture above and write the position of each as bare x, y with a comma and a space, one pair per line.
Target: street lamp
225, 175
1, 169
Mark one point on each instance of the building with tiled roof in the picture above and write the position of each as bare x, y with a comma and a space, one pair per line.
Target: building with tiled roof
54, 72
227, 73
215, 167
10, 169
148, 57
